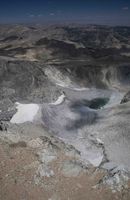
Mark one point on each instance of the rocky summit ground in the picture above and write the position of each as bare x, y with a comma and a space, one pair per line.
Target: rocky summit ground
46, 168
64, 112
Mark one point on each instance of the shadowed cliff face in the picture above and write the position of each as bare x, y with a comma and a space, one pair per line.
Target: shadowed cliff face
24, 80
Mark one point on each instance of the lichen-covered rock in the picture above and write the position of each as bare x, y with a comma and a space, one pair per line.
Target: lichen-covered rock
117, 181
43, 171
47, 155
72, 168
35, 143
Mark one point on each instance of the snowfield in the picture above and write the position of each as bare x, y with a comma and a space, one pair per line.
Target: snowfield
25, 113
59, 100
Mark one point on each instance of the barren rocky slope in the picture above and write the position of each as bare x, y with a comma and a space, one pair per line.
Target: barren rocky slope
64, 112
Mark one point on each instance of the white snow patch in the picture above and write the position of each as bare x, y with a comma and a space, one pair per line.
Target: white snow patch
79, 89
59, 100
71, 87
25, 113
61, 84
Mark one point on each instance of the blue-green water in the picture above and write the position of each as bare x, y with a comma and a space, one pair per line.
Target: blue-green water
98, 103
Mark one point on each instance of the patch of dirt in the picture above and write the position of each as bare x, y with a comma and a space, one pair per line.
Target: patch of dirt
18, 168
